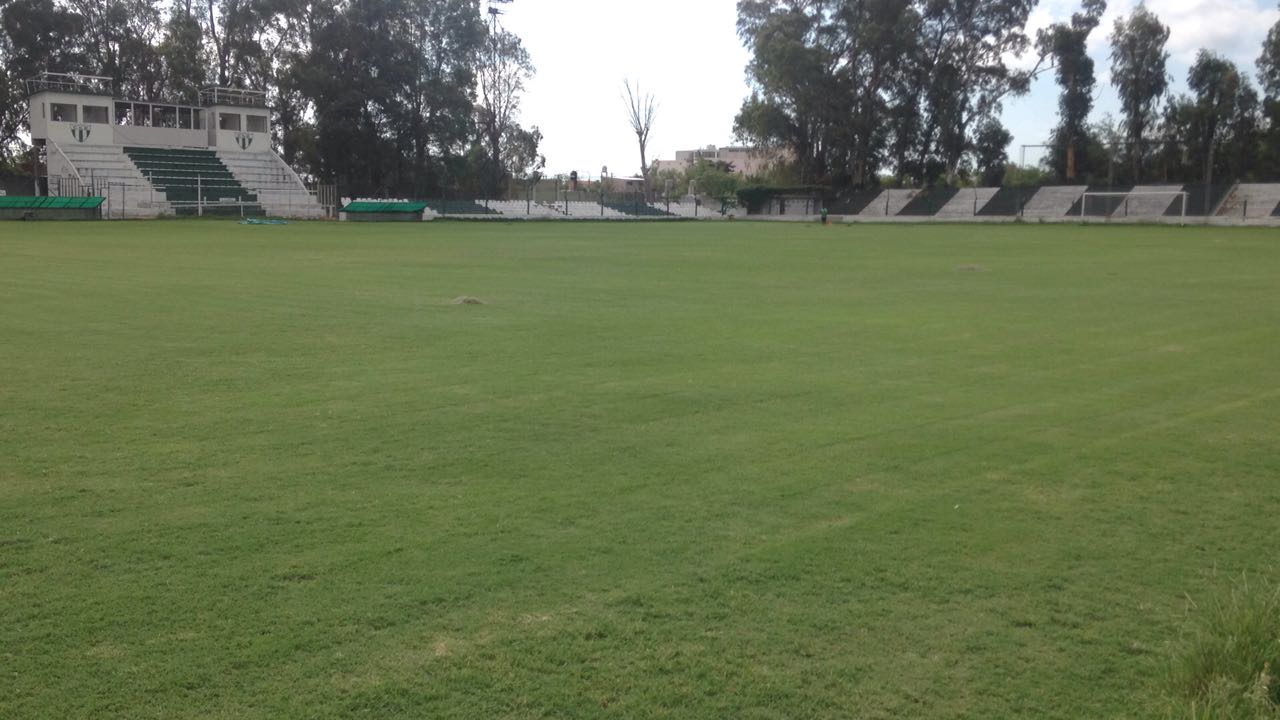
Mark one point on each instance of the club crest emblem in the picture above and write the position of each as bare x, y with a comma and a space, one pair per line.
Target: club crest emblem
244, 140
80, 132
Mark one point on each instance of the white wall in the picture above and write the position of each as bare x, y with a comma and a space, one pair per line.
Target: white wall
70, 133
241, 140
169, 137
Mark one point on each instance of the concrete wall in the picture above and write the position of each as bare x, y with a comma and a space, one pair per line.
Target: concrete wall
161, 137
244, 139
44, 126
65, 132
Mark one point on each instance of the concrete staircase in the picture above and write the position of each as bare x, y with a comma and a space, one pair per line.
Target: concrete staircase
108, 172
1251, 201
584, 209
522, 209
1139, 205
1052, 202
889, 203
964, 203
279, 190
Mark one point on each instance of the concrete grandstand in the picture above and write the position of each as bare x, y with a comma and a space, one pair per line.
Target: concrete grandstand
152, 159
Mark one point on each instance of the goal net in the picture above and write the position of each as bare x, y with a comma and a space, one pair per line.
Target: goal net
1142, 203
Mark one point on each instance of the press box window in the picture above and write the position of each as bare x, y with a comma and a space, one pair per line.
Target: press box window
255, 123
228, 121
96, 114
164, 117
60, 112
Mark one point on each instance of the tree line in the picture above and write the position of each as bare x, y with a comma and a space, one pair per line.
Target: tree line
856, 92
395, 97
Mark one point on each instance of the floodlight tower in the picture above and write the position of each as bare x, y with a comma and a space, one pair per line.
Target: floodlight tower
494, 12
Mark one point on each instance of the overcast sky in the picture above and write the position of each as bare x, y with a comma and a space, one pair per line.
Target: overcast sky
688, 54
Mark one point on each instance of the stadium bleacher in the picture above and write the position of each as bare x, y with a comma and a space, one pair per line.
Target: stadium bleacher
1149, 201
1006, 202
888, 203
459, 207
966, 203
1251, 201
638, 209
1201, 201
106, 170
1053, 201
928, 202
588, 209
278, 188
522, 209
194, 181
855, 202
702, 211
1099, 205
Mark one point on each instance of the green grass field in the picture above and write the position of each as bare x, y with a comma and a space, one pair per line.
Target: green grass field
728, 470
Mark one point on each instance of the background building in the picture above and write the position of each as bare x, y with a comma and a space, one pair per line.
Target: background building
746, 161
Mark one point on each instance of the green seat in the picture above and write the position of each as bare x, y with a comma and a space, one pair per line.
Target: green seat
189, 176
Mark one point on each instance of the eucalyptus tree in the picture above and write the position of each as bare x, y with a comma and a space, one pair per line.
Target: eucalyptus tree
1067, 44
35, 35
393, 87
966, 47
1139, 75
1221, 114
119, 40
796, 100
1269, 78
181, 54
504, 66
847, 88
877, 38
990, 152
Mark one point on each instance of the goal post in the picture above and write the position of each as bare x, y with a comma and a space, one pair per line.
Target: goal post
1173, 196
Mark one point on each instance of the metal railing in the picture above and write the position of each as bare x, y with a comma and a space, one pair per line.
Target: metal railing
130, 198
68, 83
233, 96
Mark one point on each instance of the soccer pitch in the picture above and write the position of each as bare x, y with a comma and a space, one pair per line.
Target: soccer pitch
723, 470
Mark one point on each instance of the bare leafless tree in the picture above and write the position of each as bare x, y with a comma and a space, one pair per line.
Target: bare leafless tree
641, 111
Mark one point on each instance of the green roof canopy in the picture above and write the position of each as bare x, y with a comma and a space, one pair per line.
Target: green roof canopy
21, 202
385, 207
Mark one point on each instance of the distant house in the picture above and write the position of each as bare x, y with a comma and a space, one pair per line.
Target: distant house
624, 184
745, 160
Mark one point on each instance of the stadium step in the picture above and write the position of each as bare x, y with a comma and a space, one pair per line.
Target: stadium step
928, 202
889, 203
1251, 201
194, 182
1053, 201
280, 191
1099, 205
966, 203
1006, 202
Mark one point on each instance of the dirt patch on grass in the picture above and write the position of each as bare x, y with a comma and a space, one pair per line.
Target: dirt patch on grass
467, 300
971, 268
